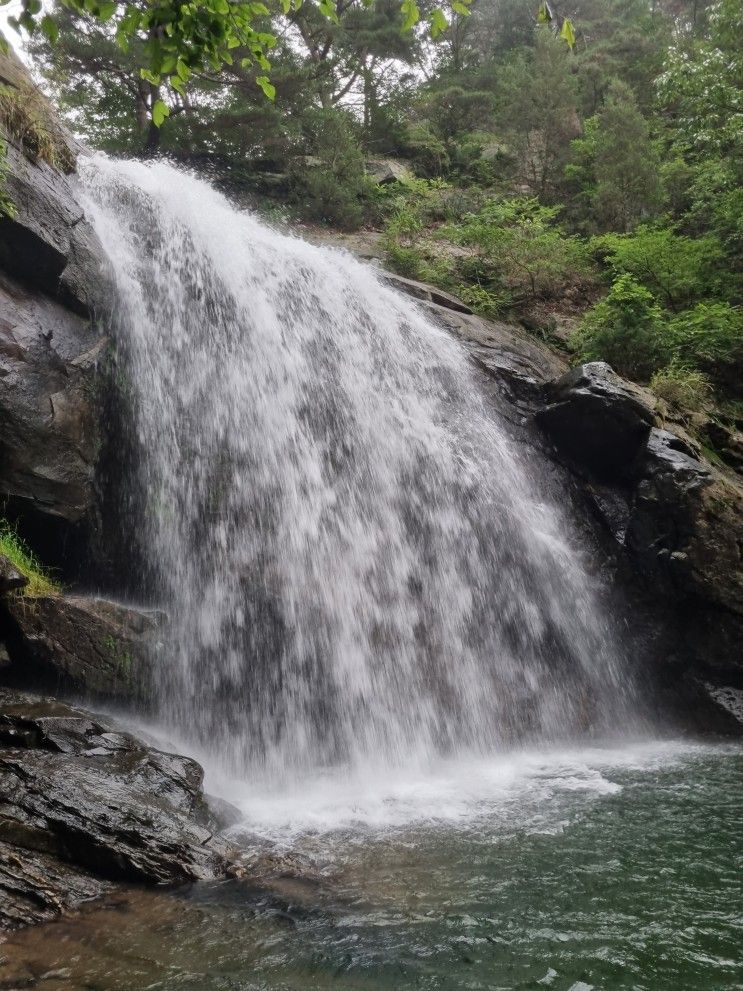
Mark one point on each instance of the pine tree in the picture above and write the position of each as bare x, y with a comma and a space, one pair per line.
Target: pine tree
615, 166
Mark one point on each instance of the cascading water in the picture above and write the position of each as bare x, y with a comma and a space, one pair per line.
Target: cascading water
358, 565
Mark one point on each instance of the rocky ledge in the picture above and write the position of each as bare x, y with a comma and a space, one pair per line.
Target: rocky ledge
677, 519
84, 806
82, 645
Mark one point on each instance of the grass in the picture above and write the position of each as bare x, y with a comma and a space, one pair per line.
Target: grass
28, 119
39, 581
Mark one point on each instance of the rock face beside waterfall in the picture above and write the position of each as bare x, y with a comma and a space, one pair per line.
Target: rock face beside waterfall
84, 645
50, 277
678, 520
83, 805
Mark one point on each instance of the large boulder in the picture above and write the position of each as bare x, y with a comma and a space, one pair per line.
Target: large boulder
678, 521
80, 800
598, 421
50, 278
49, 432
386, 170
91, 646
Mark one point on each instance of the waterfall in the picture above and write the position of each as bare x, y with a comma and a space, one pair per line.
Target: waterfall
359, 565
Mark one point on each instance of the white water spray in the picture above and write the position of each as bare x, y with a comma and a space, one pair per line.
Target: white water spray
358, 565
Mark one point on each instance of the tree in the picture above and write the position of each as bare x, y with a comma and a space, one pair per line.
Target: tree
701, 88
626, 329
616, 166
537, 110
202, 36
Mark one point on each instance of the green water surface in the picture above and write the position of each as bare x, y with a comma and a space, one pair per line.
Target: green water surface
624, 876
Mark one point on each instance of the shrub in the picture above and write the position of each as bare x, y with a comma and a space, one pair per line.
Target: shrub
686, 388
405, 261
676, 269
23, 560
334, 189
626, 329
710, 337
527, 253
483, 301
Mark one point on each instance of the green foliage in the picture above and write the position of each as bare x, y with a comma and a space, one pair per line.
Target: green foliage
626, 329
678, 270
685, 388
23, 560
26, 118
7, 207
525, 252
202, 36
615, 165
710, 337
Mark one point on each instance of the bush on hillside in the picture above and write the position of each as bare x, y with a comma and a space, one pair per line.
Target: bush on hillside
626, 329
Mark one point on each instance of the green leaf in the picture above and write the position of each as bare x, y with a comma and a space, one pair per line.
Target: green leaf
438, 23
107, 11
459, 7
327, 7
265, 84
184, 73
159, 112
544, 15
567, 33
410, 13
49, 29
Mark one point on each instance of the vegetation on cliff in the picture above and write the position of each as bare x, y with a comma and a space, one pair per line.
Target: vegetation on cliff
12, 547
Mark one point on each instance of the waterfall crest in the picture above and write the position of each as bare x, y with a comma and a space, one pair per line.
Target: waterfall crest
359, 565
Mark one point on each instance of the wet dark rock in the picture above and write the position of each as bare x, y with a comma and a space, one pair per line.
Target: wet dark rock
679, 523
35, 887
727, 442
10, 578
50, 280
77, 791
49, 438
598, 421
94, 647
48, 244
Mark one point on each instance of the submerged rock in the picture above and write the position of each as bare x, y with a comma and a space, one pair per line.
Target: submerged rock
81, 801
92, 646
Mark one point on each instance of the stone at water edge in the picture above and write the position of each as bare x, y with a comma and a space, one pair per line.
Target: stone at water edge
82, 803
